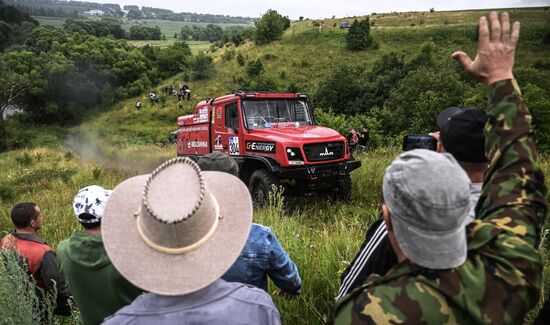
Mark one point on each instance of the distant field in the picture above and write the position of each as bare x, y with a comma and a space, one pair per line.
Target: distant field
167, 27
196, 46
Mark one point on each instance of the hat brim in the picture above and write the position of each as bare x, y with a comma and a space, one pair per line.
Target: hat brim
433, 250
169, 274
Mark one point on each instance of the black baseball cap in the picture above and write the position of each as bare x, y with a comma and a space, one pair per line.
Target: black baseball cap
461, 132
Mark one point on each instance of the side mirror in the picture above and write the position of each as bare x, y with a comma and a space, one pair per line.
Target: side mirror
236, 130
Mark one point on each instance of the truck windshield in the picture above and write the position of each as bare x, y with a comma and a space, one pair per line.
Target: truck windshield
276, 113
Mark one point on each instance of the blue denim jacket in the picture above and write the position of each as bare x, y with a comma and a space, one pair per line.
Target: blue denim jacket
262, 256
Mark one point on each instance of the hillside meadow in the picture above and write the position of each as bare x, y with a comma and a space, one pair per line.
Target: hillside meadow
322, 237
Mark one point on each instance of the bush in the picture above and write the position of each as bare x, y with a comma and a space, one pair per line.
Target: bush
358, 37
240, 59
270, 27
254, 68
19, 301
201, 66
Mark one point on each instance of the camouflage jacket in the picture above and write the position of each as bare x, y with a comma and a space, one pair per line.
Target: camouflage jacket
501, 278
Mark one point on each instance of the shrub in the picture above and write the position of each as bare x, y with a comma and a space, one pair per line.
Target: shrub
240, 59
254, 68
201, 66
270, 27
19, 301
358, 37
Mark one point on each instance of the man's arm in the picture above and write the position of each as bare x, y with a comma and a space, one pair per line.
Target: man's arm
282, 269
514, 193
50, 274
376, 256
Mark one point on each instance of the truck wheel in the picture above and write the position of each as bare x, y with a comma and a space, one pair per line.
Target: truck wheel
261, 182
343, 188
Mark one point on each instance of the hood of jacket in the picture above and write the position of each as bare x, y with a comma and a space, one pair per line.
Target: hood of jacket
86, 250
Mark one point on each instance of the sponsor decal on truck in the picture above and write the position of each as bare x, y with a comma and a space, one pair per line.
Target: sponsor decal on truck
258, 146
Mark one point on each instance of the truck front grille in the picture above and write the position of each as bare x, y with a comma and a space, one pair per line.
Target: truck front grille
324, 151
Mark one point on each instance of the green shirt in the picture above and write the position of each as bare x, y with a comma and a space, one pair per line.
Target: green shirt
502, 276
97, 287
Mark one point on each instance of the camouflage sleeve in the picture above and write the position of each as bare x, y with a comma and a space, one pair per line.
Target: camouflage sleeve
513, 196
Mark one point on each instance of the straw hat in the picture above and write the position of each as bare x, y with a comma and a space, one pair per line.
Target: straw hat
178, 229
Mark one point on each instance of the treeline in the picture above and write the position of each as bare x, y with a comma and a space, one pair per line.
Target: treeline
76, 9
215, 33
65, 9
111, 27
156, 13
14, 25
56, 75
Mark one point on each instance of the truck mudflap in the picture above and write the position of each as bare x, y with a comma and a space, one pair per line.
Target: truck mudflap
315, 172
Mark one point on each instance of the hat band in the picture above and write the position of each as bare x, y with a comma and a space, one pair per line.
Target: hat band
184, 249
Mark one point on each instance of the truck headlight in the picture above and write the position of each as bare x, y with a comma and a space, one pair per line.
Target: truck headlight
294, 154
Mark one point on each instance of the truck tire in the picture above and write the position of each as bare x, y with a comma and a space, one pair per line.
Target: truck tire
343, 188
261, 182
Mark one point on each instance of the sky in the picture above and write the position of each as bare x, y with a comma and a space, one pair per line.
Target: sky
314, 9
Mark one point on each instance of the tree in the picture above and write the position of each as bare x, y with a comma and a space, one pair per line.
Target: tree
270, 27
201, 66
358, 37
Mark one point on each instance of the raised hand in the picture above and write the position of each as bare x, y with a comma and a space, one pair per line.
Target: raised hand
496, 50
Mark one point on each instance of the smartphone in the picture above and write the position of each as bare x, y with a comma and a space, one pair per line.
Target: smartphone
414, 141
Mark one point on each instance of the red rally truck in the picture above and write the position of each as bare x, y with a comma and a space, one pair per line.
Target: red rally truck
273, 138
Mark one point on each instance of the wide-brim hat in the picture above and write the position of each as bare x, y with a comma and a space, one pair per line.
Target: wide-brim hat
177, 230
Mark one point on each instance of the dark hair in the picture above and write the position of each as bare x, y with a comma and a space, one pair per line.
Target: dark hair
22, 214
88, 216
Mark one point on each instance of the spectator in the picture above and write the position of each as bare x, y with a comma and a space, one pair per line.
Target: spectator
262, 255
185, 91
97, 287
462, 133
353, 139
138, 104
180, 106
174, 233
364, 136
152, 97
492, 273
40, 258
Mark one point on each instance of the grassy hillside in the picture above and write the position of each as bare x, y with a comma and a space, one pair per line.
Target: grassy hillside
321, 237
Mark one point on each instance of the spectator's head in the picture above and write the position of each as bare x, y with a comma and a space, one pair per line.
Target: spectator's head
26, 215
461, 133
89, 204
365, 129
176, 230
426, 201
219, 162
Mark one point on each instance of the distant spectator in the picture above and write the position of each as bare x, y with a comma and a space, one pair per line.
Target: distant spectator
152, 97
364, 137
174, 233
138, 104
186, 92
40, 258
180, 106
262, 255
97, 287
353, 140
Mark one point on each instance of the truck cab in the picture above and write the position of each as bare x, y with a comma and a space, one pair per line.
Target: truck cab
273, 138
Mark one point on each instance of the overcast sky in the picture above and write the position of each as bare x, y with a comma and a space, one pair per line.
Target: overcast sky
321, 8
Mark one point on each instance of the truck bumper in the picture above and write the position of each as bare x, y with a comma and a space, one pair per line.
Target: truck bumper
313, 173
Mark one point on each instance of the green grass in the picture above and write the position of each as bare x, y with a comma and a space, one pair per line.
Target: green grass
321, 237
